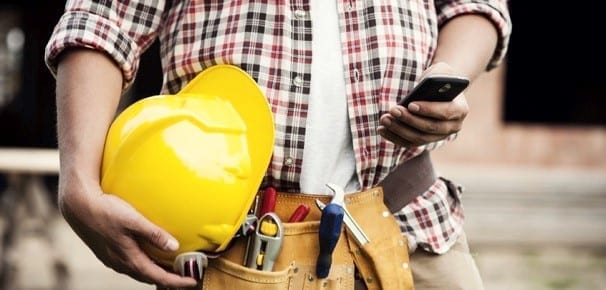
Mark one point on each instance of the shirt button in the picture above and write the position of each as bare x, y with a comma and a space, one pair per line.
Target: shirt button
288, 161
356, 75
351, 5
297, 81
300, 14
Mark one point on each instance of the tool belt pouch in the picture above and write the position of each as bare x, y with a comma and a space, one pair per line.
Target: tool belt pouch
382, 263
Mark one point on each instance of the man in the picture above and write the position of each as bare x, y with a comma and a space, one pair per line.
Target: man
333, 72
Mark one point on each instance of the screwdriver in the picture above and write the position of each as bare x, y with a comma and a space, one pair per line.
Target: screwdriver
269, 201
299, 214
331, 222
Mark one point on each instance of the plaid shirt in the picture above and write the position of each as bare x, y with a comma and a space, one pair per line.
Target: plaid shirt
386, 45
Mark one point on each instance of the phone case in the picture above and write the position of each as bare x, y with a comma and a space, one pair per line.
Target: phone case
436, 89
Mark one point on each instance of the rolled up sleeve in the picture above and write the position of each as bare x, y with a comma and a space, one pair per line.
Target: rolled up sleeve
494, 10
121, 29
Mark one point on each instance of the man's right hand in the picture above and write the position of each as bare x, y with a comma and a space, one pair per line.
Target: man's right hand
112, 229
89, 86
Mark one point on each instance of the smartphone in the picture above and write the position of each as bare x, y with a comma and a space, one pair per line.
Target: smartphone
436, 88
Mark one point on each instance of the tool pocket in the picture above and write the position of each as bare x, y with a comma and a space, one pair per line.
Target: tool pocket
383, 263
222, 272
293, 269
301, 248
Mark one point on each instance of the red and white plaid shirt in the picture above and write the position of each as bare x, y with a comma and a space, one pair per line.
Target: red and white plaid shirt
386, 45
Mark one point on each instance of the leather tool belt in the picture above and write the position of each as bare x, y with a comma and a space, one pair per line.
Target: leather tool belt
383, 263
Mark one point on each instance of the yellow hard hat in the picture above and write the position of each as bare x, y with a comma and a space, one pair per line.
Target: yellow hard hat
192, 162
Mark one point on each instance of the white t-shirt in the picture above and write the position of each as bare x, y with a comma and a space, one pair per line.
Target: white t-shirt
328, 155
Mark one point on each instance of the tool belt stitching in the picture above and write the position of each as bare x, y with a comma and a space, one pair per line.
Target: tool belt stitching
360, 198
308, 228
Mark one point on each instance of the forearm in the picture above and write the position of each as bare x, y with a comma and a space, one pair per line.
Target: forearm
467, 43
88, 90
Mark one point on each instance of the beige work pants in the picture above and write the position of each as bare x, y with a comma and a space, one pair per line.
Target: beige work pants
454, 270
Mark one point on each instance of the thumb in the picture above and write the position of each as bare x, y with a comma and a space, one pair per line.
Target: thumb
158, 237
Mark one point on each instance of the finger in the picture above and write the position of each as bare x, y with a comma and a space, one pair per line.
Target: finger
435, 126
455, 110
153, 234
406, 136
388, 129
393, 138
129, 259
424, 125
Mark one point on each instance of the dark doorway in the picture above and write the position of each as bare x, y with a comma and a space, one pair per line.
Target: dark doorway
555, 67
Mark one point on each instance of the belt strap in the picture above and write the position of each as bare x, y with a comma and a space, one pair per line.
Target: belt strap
409, 180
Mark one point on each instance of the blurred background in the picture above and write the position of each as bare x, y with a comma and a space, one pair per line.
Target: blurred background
531, 157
